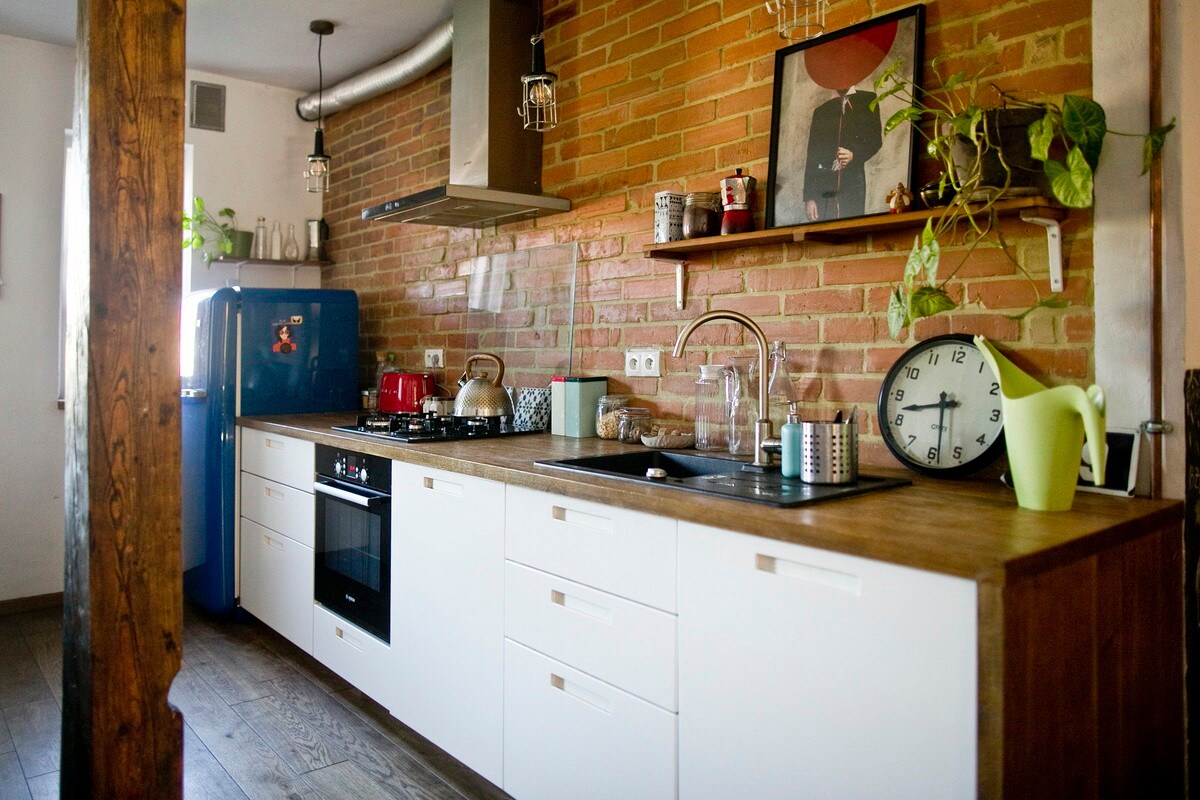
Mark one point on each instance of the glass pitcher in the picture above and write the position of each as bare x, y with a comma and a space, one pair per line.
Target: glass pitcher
742, 388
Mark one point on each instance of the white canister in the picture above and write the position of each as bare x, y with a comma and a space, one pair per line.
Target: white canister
668, 217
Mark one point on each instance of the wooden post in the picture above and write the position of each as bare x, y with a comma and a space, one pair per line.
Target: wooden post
123, 615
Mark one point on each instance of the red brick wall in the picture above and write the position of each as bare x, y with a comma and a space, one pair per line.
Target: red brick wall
673, 94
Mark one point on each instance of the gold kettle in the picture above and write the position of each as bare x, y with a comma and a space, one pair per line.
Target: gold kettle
479, 397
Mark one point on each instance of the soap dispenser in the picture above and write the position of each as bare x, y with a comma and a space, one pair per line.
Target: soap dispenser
791, 436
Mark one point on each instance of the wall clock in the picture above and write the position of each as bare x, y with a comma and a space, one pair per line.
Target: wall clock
939, 408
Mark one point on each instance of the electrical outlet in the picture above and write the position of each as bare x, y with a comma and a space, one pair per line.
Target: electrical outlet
643, 363
435, 359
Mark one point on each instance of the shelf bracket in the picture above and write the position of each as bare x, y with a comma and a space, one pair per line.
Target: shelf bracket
680, 285
1053, 246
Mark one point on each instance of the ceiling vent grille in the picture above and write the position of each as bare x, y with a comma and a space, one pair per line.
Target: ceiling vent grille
208, 106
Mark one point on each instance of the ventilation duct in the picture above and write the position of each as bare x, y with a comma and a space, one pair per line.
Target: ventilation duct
424, 57
495, 164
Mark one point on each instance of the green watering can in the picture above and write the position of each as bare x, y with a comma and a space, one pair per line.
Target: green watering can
1043, 431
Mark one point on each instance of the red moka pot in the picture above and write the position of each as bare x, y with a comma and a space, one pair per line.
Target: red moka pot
402, 391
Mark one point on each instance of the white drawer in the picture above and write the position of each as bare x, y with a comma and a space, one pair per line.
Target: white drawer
278, 458
627, 644
620, 551
353, 654
281, 508
568, 735
277, 582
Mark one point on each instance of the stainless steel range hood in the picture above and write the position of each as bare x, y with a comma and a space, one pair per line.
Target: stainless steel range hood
495, 164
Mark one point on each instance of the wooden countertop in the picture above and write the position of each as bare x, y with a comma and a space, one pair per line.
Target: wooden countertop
966, 528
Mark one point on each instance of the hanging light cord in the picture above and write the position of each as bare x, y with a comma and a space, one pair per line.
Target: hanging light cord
320, 81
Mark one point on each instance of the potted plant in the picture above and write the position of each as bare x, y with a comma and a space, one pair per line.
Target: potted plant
965, 137
229, 240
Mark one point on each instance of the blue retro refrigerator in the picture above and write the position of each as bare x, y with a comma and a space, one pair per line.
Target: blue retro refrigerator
247, 352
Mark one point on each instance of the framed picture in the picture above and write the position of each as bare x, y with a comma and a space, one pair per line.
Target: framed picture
829, 156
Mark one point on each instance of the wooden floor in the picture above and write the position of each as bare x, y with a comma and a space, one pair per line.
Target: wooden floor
261, 720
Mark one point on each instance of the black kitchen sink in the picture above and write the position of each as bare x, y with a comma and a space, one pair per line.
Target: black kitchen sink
719, 476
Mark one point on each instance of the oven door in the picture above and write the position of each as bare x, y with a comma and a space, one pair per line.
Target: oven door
354, 553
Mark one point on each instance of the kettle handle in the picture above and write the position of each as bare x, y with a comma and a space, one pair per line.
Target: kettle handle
498, 380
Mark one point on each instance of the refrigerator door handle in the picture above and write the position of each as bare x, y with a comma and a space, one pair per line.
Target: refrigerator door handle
196, 394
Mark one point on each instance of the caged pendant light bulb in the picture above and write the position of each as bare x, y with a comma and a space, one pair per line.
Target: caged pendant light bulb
316, 174
539, 89
798, 20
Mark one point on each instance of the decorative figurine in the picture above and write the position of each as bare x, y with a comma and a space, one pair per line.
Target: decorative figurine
899, 199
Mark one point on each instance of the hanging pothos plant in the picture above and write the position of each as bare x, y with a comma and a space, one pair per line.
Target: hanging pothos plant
953, 120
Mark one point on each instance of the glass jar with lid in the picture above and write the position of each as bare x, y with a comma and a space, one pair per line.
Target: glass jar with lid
606, 414
701, 215
633, 424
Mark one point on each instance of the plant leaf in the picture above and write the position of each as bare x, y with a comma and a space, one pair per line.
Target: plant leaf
1041, 136
1052, 301
897, 313
966, 124
887, 74
1153, 143
197, 205
1071, 184
933, 258
954, 81
226, 212
928, 301
923, 258
906, 114
1084, 121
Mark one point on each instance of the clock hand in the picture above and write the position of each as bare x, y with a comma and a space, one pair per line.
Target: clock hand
942, 405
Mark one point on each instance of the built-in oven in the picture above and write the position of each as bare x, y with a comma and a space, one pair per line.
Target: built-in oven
353, 537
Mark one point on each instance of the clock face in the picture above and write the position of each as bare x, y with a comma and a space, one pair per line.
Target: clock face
939, 408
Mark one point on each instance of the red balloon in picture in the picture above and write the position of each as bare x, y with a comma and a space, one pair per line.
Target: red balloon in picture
843, 62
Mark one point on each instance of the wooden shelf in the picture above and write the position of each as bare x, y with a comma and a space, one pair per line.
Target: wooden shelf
841, 230
269, 262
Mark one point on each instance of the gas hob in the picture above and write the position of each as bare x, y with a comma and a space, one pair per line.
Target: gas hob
431, 427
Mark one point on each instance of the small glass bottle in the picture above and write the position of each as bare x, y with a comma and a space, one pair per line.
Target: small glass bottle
276, 242
742, 389
792, 438
606, 414
781, 393
384, 363
261, 246
291, 248
712, 408
633, 424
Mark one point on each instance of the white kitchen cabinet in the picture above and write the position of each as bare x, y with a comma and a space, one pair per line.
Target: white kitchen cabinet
628, 553
805, 673
448, 612
281, 508
352, 653
278, 458
627, 644
569, 736
277, 582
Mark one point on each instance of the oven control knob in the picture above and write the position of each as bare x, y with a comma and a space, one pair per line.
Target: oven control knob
362, 474
337, 468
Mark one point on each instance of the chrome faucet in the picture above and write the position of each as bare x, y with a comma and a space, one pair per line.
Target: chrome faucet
765, 443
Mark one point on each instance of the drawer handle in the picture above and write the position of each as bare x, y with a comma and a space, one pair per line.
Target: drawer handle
582, 519
348, 639
269, 541
272, 442
447, 487
588, 609
273, 493
808, 573
581, 694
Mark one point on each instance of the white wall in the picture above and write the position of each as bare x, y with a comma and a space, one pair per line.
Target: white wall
36, 95
1181, 241
255, 166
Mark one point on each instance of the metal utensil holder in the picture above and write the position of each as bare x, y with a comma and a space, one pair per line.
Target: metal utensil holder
829, 452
